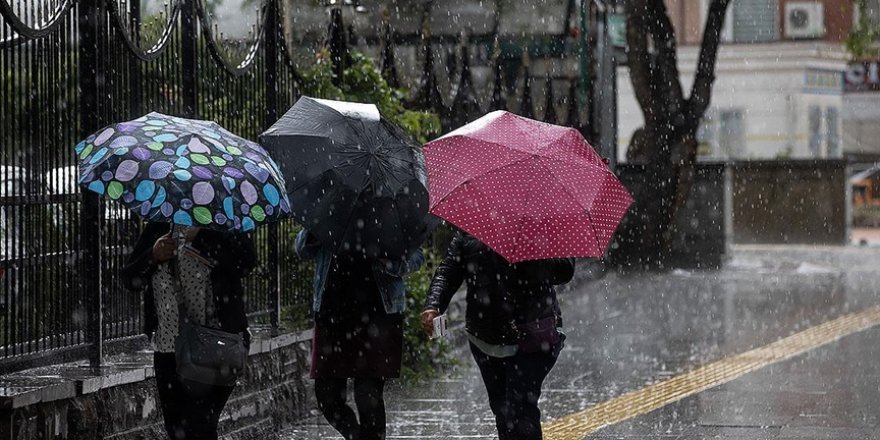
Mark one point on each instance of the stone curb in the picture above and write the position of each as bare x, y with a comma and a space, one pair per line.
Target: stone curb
66, 381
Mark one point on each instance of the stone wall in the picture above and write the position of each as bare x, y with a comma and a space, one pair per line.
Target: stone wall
757, 202
703, 226
790, 202
121, 403
701, 237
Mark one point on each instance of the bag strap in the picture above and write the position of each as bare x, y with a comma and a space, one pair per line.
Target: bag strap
210, 310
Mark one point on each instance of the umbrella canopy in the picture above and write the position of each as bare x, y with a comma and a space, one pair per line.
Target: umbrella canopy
527, 189
355, 180
185, 171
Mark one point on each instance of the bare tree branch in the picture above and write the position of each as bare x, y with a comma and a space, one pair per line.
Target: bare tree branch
663, 34
701, 93
639, 59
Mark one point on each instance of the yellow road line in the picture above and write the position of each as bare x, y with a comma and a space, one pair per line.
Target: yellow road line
578, 425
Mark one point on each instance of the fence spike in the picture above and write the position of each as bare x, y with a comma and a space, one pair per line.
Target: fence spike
499, 101
549, 101
526, 107
465, 106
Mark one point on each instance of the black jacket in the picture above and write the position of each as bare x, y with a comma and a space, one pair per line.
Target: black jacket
500, 295
234, 255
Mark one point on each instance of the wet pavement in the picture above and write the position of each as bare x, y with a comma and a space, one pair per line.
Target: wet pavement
627, 332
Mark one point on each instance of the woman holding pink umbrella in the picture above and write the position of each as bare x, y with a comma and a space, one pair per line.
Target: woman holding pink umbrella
513, 323
528, 197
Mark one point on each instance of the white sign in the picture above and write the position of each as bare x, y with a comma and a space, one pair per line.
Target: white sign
862, 77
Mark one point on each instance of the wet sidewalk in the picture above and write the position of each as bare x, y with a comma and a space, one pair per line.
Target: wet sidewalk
628, 332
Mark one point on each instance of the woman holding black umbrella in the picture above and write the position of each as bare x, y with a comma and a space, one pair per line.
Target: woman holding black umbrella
358, 305
359, 188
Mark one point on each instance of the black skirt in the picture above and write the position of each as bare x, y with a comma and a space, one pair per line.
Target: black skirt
354, 337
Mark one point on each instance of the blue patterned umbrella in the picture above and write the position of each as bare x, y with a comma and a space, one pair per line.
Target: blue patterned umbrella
185, 171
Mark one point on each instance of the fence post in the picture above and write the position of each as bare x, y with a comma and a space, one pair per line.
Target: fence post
271, 53
336, 40
91, 79
189, 37
606, 84
389, 66
499, 101
136, 103
584, 67
526, 108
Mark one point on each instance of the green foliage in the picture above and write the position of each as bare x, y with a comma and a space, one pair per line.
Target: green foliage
296, 313
362, 82
423, 358
861, 42
786, 153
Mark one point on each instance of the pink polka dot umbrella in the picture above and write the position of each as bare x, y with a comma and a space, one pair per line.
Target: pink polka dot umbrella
527, 189
184, 171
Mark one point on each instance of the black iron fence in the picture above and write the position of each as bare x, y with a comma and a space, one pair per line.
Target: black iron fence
72, 66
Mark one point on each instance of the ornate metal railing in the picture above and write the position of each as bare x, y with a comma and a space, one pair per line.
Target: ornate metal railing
70, 67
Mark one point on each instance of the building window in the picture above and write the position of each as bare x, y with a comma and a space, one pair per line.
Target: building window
755, 21
871, 10
706, 136
748, 21
815, 126
731, 133
832, 132
824, 140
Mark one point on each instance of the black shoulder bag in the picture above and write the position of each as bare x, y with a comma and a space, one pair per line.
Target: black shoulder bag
208, 355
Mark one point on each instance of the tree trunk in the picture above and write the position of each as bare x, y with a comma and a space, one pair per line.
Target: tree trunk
666, 146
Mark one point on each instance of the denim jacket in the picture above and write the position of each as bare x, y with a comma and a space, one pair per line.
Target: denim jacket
389, 278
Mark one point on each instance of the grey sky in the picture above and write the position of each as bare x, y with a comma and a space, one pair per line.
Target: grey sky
231, 19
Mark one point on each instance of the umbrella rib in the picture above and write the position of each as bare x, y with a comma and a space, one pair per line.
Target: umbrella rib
595, 232
586, 210
552, 142
306, 182
533, 193
567, 190
400, 224
348, 222
468, 138
386, 167
472, 178
522, 222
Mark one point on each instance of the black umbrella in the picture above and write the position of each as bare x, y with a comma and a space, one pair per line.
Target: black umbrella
354, 179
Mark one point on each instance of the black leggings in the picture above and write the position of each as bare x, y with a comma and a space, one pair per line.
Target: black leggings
368, 396
190, 410
514, 386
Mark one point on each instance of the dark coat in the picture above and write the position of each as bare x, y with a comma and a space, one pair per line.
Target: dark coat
500, 295
234, 256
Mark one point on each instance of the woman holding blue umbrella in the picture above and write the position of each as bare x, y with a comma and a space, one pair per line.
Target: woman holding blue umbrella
202, 190
198, 272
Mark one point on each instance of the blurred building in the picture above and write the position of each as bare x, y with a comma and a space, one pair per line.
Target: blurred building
785, 85
542, 23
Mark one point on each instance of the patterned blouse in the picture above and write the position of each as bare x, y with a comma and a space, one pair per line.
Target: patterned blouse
195, 289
